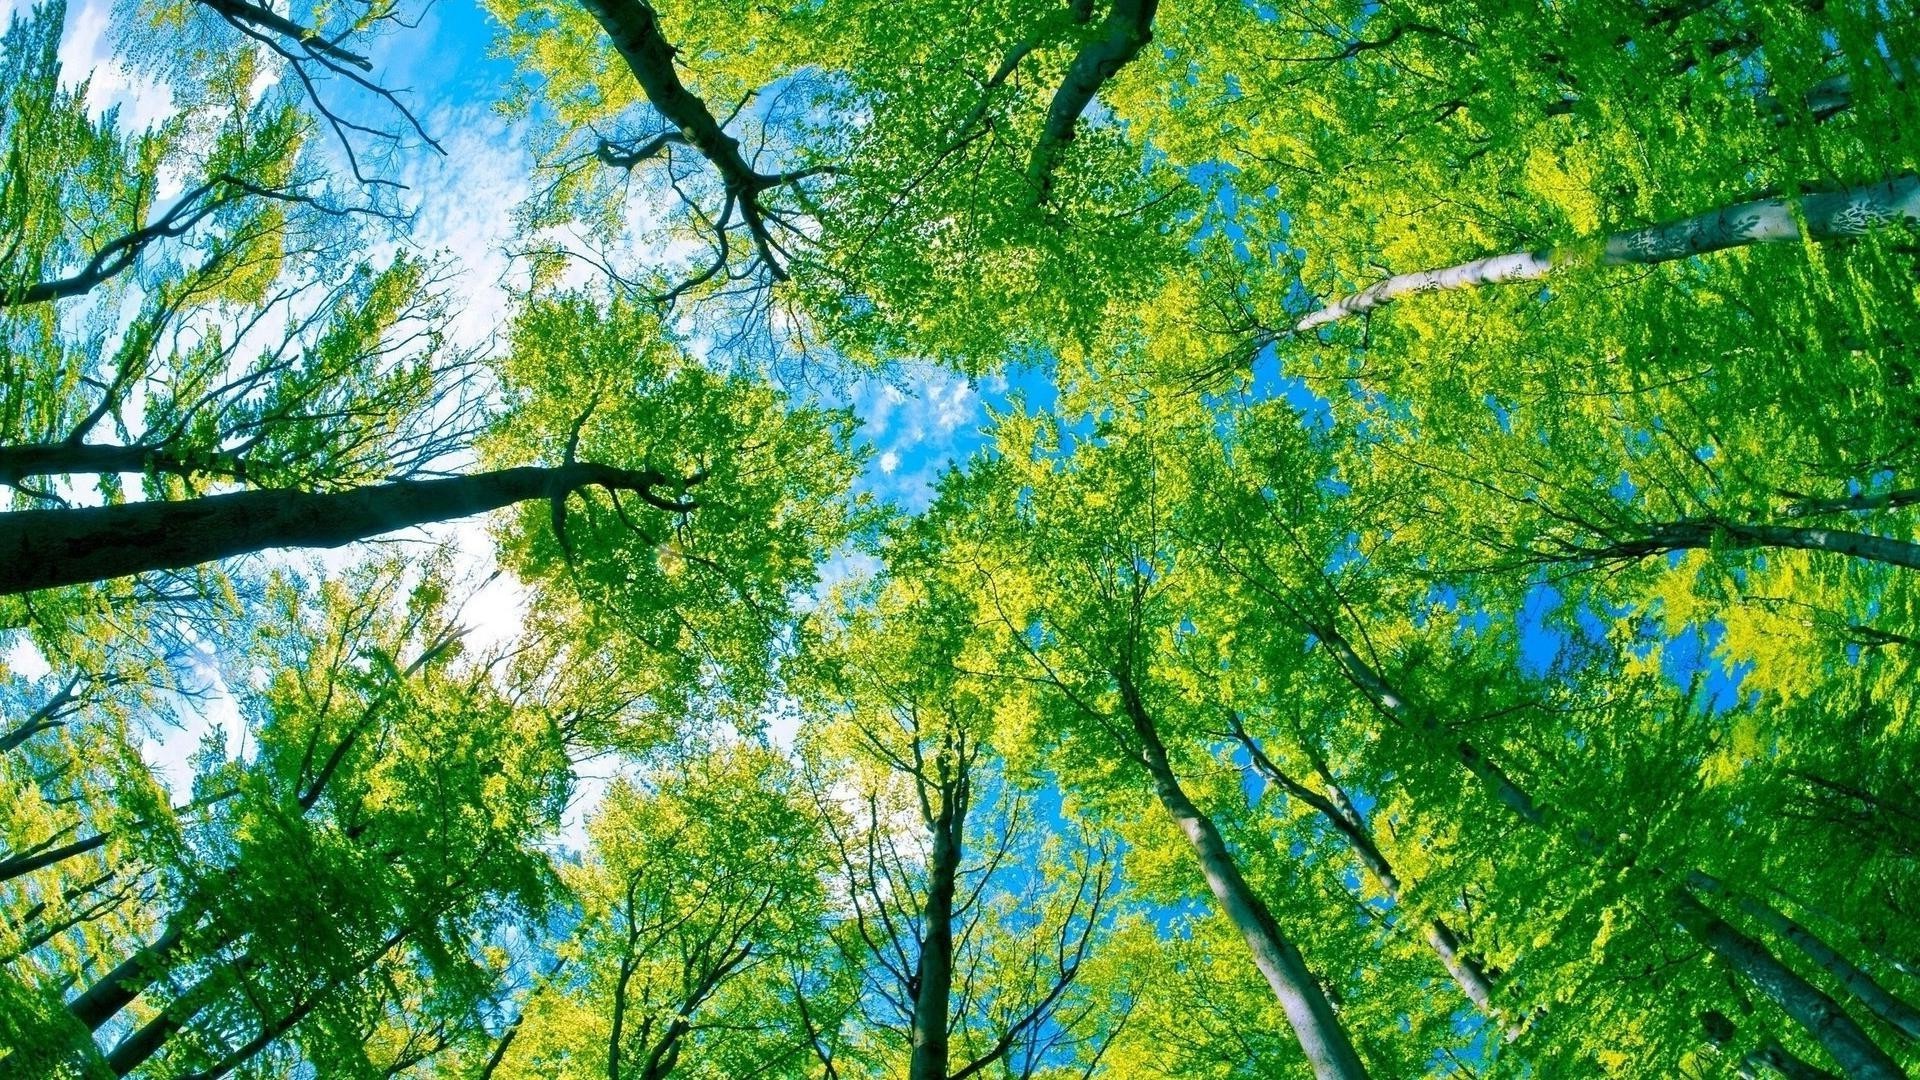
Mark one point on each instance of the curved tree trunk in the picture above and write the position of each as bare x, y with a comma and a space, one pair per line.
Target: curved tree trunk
1322, 1038
1829, 215
42, 549
1116, 41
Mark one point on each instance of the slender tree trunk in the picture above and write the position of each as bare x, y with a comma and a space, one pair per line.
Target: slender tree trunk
41, 549
53, 714
21, 865
1825, 1021
1829, 215
1346, 819
931, 1001
145, 1041
1322, 1038
115, 990
1877, 999
1856, 1054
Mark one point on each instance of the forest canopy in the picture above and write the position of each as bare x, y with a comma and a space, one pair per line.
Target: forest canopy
1038, 539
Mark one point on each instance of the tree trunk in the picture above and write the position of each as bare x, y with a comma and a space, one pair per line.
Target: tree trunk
21, 865
1325, 1042
145, 1041
1829, 215
115, 990
1825, 1021
1856, 1054
1668, 536
1878, 1000
1340, 812
1116, 41
42, 549
930, 1003
19, 462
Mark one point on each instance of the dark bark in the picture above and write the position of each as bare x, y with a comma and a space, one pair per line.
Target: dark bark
935, 974
145, 1041
634, 28
18, 463
115, 990
1769, 1057
1115, 42
1322, 1039
275, 23
118, 255
1829, 1024
48, 716
1663, 537
41, 549
21, 865
1886, 500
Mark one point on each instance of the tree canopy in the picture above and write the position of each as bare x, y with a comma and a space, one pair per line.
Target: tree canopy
1111, 539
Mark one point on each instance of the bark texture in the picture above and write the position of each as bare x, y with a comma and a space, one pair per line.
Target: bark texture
115, 990
935, 974
1339, 812
1829, 215
41, 549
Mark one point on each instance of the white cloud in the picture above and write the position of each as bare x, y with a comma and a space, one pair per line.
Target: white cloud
889, 461
87, 55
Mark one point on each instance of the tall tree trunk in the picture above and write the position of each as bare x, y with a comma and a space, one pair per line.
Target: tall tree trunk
145, 1041
1829, 215
935, 973
41, 549
1827, 1023
1769, 1058
1347, 820
1877, 999
1662, 537
1322, 1038
115, 990
1856, 1054
21, 865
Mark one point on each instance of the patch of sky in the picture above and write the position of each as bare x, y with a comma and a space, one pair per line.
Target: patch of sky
1624, 488
1541, 642
1689, 656
1346, 555
1501, 413
1269, 380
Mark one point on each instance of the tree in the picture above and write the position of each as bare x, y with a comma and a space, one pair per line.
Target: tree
967, 967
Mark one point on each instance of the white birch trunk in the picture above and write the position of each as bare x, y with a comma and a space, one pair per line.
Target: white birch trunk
1829, 215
